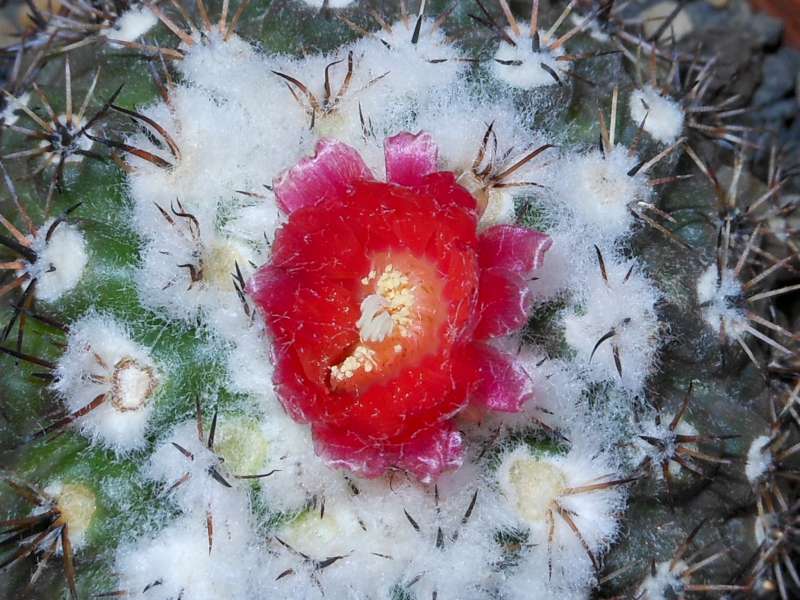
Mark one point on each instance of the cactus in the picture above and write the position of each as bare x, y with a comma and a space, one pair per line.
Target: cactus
342, 299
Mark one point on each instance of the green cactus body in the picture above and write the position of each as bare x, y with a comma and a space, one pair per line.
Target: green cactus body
632, 436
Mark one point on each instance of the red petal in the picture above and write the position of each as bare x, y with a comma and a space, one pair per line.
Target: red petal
504, 303
298, 397
342, 450
409, 158
500, 383
442, 187
329, 174
312, 318
513, 248
431, 452
416, 398
321, 243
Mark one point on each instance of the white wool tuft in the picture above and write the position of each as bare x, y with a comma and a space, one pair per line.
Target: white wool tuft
592, 26
368, 565
101, 359
55, 152
554, 401
131, 25
665, 116
177, 563
413, 69
718, 295
188, 248
534, 484
565, 266
300, 473
521, 67
199, 489
12, 111
249, 366
759, 459
597, 190
60, 260
532, 578
623, 309
666, 583
642, 450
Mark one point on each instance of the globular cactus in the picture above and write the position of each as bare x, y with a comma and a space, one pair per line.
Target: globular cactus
353, 300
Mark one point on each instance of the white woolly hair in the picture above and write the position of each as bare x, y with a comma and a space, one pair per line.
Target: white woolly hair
520, 66
594, 513
131, 25
566, 266
200, 491
596, 190
176, 562
223, 150
194, 246
411, 69
525, 581
249, 367
664, 583
299, 474
461, 561
641, 450
368, 565
60, 260
759, 459
665, 116
591, 26
102, 359
622, 310
12, 110
717, 293
556, 390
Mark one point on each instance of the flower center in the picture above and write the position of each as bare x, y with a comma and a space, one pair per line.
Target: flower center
400, 315
388, 308
132, 385
535, 485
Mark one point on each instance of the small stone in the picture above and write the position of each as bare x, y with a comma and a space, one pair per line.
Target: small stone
797, 88
767, 30
776, 112
778, 74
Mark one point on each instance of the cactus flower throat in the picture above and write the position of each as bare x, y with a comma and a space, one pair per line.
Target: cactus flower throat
382, 300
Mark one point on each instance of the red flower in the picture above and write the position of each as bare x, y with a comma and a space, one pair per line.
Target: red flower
380, 298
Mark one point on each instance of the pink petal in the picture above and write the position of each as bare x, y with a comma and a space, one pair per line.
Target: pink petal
514, 248
267, 283
504, 303
329, 174
409, 158
342, 452
501, 384
432, 452
427, 456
